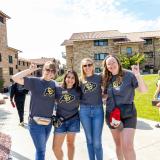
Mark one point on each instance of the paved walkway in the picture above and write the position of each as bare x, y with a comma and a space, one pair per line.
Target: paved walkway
147, 139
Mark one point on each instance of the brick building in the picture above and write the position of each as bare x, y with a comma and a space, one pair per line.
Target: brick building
8, 55
97, 45
10, 63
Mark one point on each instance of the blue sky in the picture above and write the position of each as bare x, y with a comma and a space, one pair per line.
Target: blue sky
38, 27
144, 9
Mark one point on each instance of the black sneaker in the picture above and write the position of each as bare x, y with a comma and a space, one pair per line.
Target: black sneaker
157, 125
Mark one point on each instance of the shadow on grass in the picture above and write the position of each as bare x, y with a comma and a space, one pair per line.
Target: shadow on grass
18, 156
143, 125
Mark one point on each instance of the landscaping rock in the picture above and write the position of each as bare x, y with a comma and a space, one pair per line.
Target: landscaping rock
5, 146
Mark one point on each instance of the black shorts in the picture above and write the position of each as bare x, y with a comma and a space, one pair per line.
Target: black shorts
127, 122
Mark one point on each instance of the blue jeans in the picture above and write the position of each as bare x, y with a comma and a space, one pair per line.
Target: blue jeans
39, 134
92, 119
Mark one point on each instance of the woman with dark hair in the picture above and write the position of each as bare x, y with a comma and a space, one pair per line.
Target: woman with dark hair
67, 97
120, 85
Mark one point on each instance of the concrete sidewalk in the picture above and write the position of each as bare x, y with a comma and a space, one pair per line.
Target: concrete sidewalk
147, 139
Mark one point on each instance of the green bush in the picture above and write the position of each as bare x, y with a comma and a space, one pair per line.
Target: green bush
128, 61
60, 78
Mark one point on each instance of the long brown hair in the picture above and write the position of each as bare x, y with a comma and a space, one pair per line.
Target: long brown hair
107, 75
76, 84
83, 75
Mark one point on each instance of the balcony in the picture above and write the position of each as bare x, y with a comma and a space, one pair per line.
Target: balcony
64, 55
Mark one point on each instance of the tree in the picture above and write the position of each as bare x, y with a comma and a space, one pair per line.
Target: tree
128, 61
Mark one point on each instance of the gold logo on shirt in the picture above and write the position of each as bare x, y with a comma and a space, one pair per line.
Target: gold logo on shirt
116, 84
89, 87
49, 92
67, 98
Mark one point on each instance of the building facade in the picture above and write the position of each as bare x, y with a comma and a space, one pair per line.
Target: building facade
97, 45
8, 55
10, 62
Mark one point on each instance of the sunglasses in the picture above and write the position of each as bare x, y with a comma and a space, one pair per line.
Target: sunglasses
87, 65
50, 70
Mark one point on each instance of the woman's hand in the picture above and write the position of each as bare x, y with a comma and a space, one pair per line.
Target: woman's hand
33, 67
135, 69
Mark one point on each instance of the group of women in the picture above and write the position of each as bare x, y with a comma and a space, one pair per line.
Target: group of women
80, 100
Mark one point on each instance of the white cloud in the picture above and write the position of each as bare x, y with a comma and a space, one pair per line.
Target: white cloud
39, 27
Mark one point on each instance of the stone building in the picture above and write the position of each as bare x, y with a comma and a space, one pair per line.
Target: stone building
97, 45
8, 55
10, 63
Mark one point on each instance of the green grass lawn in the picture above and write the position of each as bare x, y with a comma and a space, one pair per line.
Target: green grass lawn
143, 101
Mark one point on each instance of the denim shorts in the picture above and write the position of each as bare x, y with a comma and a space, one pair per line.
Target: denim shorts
69, 126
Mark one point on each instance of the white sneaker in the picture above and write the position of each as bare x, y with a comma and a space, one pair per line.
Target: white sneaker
21, 124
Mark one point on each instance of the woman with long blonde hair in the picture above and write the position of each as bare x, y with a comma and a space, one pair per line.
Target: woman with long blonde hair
91, 109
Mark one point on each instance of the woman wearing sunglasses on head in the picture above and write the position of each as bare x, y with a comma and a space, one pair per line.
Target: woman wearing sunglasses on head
67, 97
121, 115
91, 109
42, 103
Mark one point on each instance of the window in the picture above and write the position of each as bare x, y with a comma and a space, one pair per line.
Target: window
27, 64
147, 41
0, 57
10, 59
16, 56
10, 71
101, 42
98, 70
19, 62
16, 66
148, 54
129, 51
100, 56
1, 19
23, 63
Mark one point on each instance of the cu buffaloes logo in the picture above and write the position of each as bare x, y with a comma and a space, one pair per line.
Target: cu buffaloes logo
67, 98
49, 92
116, 84
89, 87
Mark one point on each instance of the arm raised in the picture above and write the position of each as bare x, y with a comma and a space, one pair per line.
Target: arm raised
19, 77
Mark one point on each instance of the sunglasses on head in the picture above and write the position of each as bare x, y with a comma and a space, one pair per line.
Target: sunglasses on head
50, 70
88, 65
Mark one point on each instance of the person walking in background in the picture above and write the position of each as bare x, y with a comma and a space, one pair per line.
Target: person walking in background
67, 97
42, 103
18, 93
120, 85
157, 96
91, 109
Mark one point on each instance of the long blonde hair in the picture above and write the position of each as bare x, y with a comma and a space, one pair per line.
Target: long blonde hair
83, 75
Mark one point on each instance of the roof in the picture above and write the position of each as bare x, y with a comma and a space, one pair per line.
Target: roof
41, 60
111, 34
3, 14
132, 37
23, 59
14, 49
67, 43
